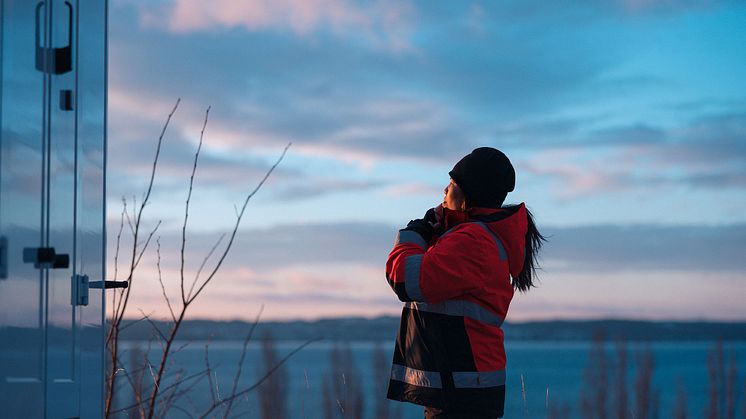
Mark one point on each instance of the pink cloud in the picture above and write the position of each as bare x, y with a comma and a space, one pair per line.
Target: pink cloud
638, 6
576, 181
382, 22
576, 175
414, 188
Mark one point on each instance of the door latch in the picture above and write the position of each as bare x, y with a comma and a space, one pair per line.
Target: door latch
108, 284
81, 285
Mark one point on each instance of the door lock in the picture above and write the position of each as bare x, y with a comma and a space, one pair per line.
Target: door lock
45, 258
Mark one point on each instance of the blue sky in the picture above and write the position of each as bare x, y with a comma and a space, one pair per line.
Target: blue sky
626, 121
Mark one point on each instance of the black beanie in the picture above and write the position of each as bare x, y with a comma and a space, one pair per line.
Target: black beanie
486, 176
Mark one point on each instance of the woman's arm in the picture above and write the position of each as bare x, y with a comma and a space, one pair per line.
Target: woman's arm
457, 264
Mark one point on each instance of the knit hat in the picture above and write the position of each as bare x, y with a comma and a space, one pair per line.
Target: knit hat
486, 176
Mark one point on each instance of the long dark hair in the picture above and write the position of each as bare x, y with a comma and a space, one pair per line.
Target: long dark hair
534, 241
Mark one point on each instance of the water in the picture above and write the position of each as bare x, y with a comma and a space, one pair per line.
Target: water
548, 372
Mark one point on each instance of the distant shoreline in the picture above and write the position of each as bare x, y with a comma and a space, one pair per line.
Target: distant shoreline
384, 328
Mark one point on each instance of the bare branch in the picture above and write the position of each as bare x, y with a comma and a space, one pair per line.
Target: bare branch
191, 377
152, 374
128, 217
129, 377
209, 372
155, 160
202, 266
241, 360
121, 306
186, 205
170, 395
260, 381
238, 223
128, 325
119, 239
116, 260
147, 407
160, 279
147, 242
184, 411
153, 325
180, 348
187, 390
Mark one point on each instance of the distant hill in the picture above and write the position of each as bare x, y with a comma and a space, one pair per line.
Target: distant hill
384, 328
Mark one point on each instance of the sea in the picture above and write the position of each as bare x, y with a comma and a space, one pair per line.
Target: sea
545, 379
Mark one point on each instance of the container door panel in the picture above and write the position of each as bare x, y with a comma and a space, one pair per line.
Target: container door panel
90, 242
22, 156
62, 316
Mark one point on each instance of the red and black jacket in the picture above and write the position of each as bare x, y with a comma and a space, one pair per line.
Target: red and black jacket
449, 350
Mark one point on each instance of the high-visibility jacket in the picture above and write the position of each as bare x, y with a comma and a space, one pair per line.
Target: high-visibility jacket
449, 349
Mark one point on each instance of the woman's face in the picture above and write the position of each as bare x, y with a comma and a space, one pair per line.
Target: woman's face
454, 198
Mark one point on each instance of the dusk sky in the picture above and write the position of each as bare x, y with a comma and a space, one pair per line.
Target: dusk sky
625, 120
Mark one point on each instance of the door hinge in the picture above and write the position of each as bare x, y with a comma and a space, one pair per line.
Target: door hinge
79, 290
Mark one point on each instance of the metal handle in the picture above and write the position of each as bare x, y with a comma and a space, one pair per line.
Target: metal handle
55, 60
81, 285
108, 284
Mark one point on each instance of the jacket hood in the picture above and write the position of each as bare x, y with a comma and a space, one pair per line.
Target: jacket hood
510, 224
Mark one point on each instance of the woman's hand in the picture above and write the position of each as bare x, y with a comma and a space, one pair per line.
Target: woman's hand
434, 217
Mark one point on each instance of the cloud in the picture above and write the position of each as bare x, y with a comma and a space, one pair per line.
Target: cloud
134, 132
382, 23
337, 269
322, 187
415, 188
558, 86
635, 7
704, 153
655, 247
580, 12
639, 294
335, 97
592, 248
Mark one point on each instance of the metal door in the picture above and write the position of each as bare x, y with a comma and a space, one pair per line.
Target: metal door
22, 155
61, 190
90, 242
52, 206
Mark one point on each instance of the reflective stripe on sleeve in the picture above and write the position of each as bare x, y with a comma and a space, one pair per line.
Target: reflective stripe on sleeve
408, 236
478, 379
416, 377
464, 308
412, 277
498, 242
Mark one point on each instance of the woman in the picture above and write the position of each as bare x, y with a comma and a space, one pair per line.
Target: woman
456, 269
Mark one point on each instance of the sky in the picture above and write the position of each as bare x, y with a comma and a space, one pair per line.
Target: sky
625, 121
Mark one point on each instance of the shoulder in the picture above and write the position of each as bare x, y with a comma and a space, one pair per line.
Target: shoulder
467, 237
473, 230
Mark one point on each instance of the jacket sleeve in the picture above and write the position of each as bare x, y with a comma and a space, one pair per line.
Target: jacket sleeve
458, 263
403, 261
